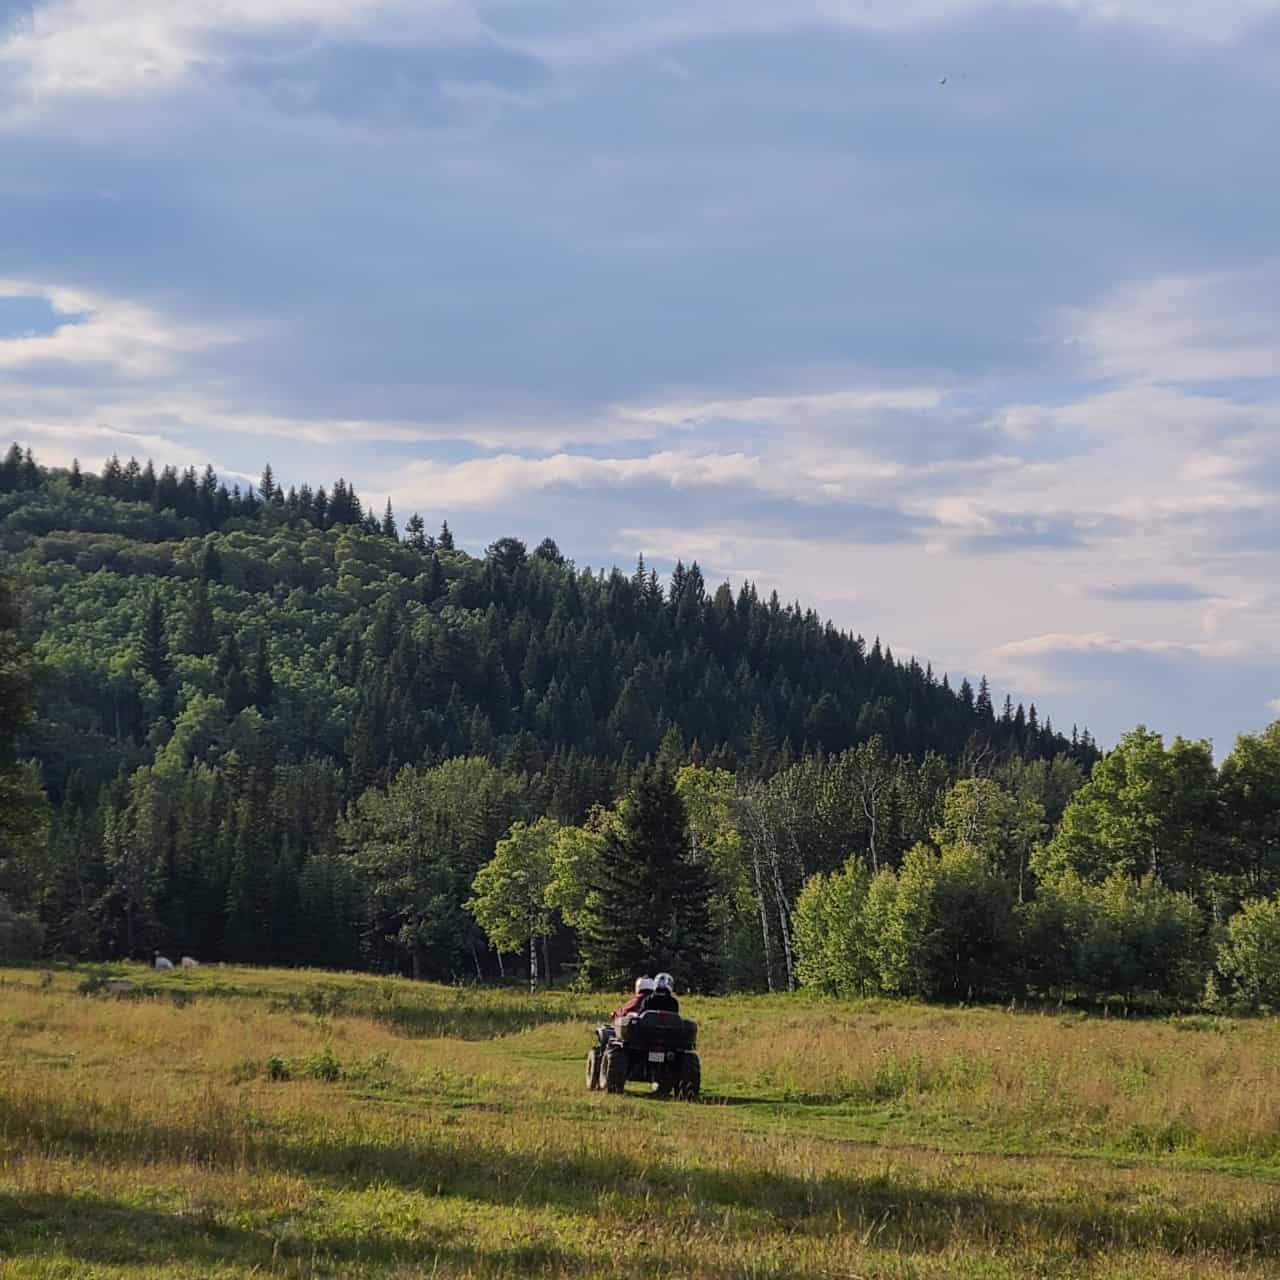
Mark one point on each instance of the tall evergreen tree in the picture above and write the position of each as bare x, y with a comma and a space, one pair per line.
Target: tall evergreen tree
651, 899
153, 647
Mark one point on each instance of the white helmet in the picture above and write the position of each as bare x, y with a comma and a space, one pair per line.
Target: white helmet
664, 982
643, 985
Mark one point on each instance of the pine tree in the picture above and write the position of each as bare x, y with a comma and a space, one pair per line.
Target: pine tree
267, 485
11, 469
652, 899
435, 580
415, 533
201, 632
76, 479
445, 540
153, 647
984, 705
388, 526
30, 478
236, 693
262, 685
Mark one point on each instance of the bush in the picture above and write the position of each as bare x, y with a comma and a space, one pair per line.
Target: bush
1250, 954
1123, 936
324, 1066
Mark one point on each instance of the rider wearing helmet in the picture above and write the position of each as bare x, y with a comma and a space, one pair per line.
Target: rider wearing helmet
663, 996
644, 988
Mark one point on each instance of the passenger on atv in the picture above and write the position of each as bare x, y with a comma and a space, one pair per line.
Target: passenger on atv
644, 987
663, 996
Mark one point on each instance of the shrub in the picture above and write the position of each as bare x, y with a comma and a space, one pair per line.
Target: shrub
1123, 936
324, 1066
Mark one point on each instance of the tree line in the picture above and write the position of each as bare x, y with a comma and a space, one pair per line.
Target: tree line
272, 728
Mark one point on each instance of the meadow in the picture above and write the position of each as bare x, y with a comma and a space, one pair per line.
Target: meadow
237, 1122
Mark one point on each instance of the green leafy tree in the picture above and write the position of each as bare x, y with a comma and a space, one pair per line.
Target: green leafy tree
835, 950
945, 926
1124, 936
980, 813
1250, 788
510, 898
418, 846
1145, 809
1250, 952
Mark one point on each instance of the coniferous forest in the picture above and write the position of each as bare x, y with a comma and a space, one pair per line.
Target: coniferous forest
273, 725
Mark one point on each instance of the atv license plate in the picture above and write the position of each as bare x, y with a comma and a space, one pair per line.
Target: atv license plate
657, 1057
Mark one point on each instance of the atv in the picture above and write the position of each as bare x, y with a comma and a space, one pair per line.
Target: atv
656, 1047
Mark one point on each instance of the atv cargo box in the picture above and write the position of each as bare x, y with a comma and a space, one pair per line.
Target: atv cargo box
655, 1028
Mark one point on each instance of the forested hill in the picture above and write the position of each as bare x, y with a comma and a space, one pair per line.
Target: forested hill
164, 604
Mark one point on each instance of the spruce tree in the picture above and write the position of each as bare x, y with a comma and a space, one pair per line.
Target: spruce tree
153, 648
262, 685
415, 532
201, 632
445, 540
651, 899
236, 693
11, 469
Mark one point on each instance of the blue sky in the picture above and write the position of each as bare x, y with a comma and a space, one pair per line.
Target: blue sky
958, 321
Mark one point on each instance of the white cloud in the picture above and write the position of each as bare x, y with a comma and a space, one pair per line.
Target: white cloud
1103, 642
97, 331
124, 48
791, 410
1185, 328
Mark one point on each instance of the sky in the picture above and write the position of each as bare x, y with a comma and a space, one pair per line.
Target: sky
956, 321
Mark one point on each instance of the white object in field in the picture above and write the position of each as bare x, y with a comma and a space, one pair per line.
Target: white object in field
162, 963
189, 963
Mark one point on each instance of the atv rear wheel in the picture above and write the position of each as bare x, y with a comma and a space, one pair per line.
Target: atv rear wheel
593, 1068
689, 1082
615, 1070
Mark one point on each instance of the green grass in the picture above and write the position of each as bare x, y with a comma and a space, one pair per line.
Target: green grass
243, 1122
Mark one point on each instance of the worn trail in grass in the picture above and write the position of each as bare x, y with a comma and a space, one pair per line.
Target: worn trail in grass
237, 1122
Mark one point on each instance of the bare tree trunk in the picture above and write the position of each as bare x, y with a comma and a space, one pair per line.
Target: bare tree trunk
871, 807
765, 939
502, 968
546, 961
755, 837
784, 924
533, 963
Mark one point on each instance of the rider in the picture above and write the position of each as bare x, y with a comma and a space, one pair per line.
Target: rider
644, 989
663, 996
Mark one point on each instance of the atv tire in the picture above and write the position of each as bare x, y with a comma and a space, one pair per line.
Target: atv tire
615, 1070
689, 1083
593, 1068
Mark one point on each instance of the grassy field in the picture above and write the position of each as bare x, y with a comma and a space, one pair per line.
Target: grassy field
233, 1122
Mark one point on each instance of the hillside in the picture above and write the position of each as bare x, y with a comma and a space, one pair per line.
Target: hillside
149, 592
276, 729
